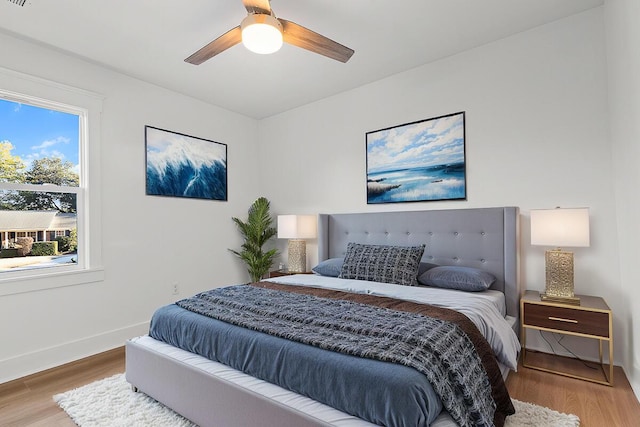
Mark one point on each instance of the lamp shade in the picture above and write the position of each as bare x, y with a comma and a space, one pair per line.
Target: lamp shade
560, 227
296, 226
261, 33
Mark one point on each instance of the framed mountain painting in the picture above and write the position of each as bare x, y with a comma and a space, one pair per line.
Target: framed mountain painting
180, 165
418, 161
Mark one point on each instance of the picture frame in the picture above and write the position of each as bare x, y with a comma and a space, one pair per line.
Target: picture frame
179, 165
419, 161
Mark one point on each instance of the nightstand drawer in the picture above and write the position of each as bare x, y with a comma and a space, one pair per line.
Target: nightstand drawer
567, 319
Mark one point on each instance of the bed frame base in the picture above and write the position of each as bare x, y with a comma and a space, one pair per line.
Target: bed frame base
204, 399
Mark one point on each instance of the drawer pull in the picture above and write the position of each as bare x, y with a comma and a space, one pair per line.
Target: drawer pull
560, 319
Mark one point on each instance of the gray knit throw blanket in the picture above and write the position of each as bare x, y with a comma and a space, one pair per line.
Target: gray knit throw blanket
439, 349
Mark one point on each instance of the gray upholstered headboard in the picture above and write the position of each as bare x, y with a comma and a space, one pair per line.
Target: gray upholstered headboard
485, 238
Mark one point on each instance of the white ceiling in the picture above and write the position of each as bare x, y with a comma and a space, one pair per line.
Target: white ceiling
149, 39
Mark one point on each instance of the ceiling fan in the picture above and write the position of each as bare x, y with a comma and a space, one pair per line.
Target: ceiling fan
266, 29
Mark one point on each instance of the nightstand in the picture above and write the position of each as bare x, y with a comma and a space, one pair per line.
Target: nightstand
591, 319
279, 273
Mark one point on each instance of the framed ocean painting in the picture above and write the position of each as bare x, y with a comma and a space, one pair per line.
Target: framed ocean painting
418, 161
180, 165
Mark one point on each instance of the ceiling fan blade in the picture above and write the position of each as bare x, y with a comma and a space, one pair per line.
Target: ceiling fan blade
222, 43
300, 36
257, 6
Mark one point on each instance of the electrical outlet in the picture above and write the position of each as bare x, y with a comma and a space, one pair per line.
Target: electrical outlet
175, 288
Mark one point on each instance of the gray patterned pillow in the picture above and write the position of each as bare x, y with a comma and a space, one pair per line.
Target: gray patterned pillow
379, 263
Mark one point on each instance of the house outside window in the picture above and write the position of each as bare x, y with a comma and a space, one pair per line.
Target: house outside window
45, 156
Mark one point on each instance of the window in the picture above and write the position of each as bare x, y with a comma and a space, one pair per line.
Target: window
45, 165
39, 148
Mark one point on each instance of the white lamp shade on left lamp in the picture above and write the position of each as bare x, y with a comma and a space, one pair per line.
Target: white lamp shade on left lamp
296, 228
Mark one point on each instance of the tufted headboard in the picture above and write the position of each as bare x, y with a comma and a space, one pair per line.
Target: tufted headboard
485, 238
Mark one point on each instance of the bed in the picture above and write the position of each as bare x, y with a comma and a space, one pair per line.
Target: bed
213, 394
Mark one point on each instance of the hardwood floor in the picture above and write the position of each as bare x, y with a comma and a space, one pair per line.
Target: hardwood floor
597, 405
28, 401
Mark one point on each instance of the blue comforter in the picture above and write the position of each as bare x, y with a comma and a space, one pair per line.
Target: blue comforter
381, 392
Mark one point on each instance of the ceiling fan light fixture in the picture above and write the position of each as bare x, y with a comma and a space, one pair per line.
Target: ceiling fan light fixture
261, 33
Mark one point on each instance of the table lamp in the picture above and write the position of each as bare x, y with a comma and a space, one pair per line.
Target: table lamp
560, 228
296, 228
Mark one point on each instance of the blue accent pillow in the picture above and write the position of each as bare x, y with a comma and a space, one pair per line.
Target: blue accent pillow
423, 267
330, 267
460, 278
380, 263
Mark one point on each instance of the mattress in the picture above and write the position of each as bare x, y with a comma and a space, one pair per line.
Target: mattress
272, 392
333, 378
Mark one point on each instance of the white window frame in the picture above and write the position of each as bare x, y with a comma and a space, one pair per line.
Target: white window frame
23, 88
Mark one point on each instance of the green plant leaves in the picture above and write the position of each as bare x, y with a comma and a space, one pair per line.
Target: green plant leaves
256, 231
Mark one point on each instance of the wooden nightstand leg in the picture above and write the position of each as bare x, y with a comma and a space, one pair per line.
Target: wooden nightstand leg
523, 333
611, 361
609, 379
600, 342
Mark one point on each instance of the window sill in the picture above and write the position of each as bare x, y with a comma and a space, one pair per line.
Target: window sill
38, 282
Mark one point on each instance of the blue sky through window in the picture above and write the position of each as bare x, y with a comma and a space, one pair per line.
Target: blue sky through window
38, 132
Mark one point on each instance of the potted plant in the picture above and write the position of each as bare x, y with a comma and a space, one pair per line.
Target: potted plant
256, 231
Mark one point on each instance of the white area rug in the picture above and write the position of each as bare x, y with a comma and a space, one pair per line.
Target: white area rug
530, 415
111, 403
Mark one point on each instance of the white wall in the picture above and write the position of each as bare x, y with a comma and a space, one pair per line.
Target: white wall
536, 137
622, 20
148, 242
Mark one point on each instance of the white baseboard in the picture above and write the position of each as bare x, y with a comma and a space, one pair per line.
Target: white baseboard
46, 358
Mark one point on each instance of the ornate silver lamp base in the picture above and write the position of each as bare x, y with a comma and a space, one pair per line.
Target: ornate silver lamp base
559, 277
297, 256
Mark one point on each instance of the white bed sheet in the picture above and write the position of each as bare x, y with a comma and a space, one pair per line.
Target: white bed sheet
485, 309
